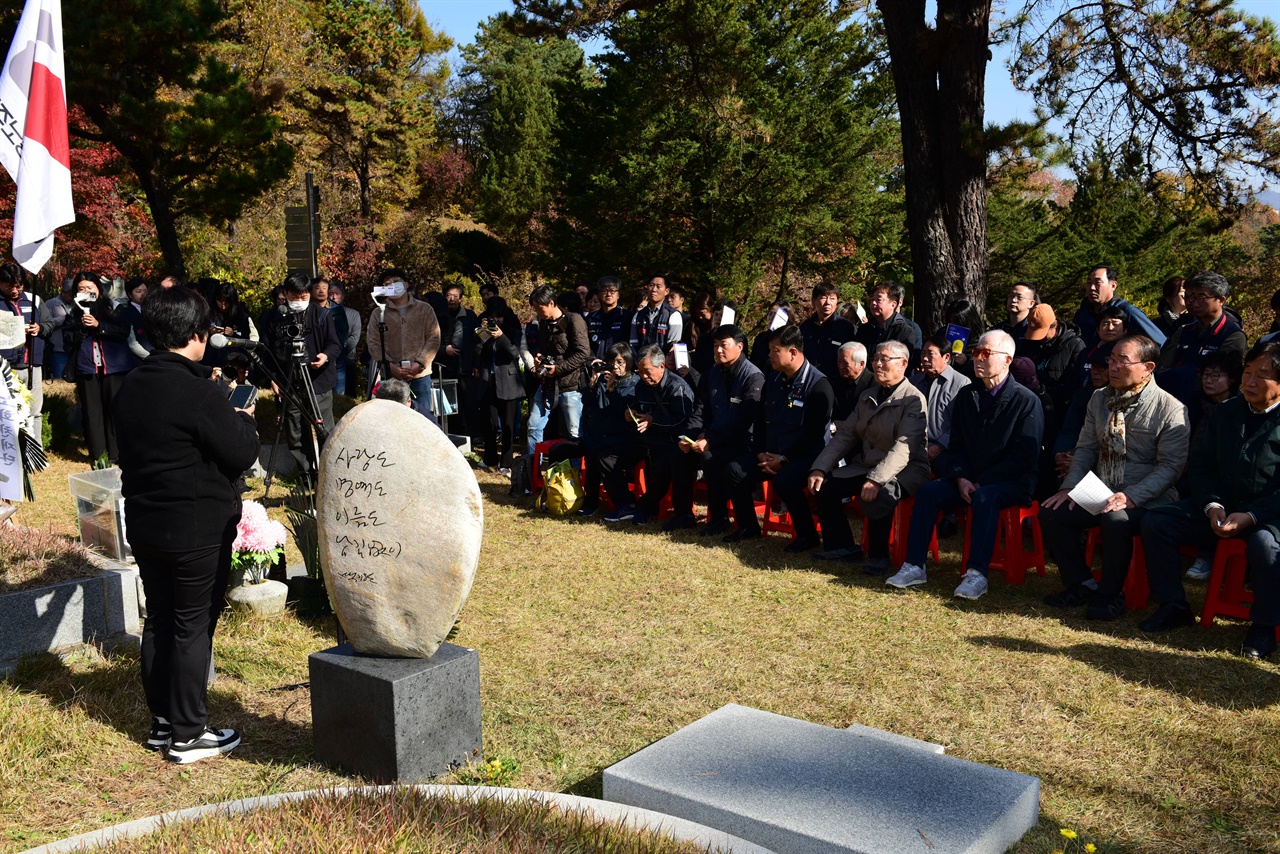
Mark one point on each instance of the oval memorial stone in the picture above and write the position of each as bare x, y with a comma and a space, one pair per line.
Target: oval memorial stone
399, 519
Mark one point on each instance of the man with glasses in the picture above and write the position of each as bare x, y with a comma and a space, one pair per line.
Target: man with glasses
656, 322
1210, 330
883, 445
990, 464
1135, 440
612, 323
1235, 493
1022, 298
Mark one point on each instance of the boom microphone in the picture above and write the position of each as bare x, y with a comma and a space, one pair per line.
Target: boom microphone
218, 341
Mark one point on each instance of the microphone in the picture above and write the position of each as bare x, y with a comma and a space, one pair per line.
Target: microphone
218, 341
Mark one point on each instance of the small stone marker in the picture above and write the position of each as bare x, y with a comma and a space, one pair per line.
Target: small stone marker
803, 788
400, 522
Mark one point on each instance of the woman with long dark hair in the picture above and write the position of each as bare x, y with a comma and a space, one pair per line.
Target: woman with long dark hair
96, 335
498, 366
230, 318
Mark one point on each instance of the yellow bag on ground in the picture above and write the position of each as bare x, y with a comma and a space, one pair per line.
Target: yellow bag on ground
563, 493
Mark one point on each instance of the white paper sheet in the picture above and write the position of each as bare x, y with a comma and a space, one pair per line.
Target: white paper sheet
727, 316
682, 355
1091, 493
13, 331
780, 318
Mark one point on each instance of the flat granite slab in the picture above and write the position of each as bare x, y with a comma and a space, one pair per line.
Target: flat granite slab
802, 788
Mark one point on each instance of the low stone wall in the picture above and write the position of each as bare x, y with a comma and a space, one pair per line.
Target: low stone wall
47, 619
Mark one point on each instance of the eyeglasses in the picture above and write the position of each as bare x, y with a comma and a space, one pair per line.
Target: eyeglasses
987, 353
882, 359
1117, 363
1198, 296
1213, 376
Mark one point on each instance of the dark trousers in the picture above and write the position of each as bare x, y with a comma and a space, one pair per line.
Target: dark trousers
615, 463
788, 486
1063, 529
836, 533
712, 463
984, 518
96, 394
731, 475
500, 415
1164, 533
184, 597
660, 461
299, 434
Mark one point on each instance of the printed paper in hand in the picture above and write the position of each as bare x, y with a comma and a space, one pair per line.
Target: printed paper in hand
779, 319
727, 316
1091, 493
682, 355
13, 331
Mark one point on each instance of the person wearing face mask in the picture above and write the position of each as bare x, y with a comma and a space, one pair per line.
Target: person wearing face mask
321, 343
403, 338
95, 335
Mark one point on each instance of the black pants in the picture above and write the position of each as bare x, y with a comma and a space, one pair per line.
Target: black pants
299, 435
731, 474
499, 415
96, 394
184, 597
615, 464
836, 533
712, 463
788, 485
658, 467
1064, 529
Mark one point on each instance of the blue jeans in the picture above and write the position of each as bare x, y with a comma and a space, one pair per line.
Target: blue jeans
984, 518
57, 364
341, 368
421, 388
569, 405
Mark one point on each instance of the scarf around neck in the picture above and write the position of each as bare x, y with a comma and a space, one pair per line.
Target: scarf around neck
1112, 452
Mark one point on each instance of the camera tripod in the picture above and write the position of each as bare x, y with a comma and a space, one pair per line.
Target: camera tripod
296, 394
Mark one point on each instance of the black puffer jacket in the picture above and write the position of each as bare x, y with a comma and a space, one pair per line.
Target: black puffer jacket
1053, 358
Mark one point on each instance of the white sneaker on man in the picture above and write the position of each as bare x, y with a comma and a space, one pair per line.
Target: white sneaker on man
908, 576
972, 586
1200, 570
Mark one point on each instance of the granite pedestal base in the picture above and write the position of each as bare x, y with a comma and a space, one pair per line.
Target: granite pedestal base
403, 720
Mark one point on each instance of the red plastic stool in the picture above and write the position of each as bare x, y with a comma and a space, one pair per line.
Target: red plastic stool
771, 521
898, 531
1009, 556
664, 506
539, 450
1226, 595
1136, 588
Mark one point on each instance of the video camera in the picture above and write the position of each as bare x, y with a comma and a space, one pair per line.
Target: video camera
288, 335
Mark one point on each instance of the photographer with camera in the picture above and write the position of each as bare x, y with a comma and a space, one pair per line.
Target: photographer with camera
301, 336
563, 352
96, 333
499, 378
403, 337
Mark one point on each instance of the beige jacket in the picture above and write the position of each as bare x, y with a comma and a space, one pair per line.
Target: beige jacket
411, 336
884, 441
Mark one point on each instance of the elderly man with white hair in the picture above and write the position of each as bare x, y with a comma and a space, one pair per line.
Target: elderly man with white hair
883, 445
990, 464
852, 380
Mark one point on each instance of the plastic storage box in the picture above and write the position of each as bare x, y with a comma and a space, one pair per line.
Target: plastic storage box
100, 508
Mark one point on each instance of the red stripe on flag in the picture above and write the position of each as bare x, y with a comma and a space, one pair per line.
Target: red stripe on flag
47, 114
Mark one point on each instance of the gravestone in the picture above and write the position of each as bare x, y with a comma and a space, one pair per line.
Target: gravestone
400, 521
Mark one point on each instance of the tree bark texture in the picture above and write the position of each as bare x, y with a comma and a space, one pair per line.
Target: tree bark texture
938, 75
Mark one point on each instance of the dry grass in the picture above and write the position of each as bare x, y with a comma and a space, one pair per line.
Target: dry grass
30, 557
596, 641
403, 820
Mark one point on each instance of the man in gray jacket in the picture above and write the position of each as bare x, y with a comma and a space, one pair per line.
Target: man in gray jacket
939, 383
1135, 439
883, 445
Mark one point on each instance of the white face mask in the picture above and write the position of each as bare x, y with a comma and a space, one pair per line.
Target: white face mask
397, 289
299, 305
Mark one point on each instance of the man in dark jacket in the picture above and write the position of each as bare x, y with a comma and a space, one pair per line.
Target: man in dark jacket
182, 447
656, 322
300, 317
720, 429
824, 330
990, 464
1053, 346
790, 431
888, 324
563, 351
851, 380
1100, 292
1234, 474
1210, 329
456, 358
612, 323
1022, 299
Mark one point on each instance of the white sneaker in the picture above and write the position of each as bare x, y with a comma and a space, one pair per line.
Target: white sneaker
1200, 570
210, 743
908, 576
972, 586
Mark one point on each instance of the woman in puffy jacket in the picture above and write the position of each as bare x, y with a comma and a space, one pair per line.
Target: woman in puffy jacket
96, 336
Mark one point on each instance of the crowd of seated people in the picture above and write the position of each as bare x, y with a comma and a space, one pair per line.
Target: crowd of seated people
849, 413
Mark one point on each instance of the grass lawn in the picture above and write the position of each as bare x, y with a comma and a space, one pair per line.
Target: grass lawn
596, 641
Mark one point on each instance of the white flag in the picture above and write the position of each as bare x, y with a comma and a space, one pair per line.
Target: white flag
33, 132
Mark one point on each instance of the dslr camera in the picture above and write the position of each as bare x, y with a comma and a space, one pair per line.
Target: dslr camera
596, 366
289, 335
543, 369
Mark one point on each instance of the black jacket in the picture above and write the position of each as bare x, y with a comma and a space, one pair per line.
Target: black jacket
1055, 361
1001, 445
498, 361
182, 447
897, 329
320, 336
823, 340
727, 402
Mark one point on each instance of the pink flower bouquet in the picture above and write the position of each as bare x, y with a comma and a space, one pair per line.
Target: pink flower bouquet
259, 543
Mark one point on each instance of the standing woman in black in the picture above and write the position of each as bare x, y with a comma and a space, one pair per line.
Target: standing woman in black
498, 371
96, 336
182, 447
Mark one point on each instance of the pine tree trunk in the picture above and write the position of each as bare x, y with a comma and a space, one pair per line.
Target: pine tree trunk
938, 76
